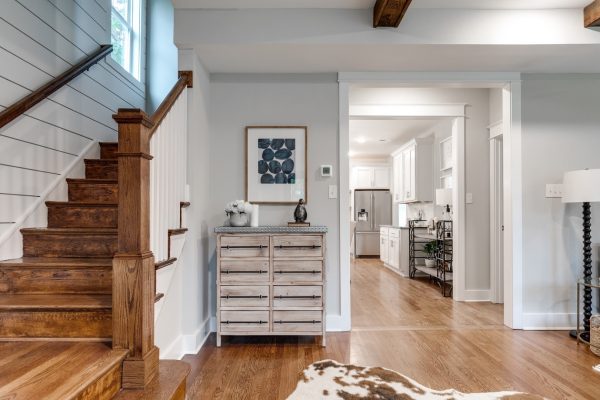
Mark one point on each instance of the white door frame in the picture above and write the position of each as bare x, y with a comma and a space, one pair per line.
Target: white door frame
511, 84
496, 217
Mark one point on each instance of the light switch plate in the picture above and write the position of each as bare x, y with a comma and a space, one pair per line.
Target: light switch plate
333, 191
554, 190
469, 198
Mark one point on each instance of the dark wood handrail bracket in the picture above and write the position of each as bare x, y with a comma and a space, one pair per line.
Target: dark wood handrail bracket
26, 103
134, 267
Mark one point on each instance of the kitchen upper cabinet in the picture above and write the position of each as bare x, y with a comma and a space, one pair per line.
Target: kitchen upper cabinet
413, 172
371, 177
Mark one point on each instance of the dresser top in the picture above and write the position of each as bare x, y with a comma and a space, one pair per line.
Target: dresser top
271, 229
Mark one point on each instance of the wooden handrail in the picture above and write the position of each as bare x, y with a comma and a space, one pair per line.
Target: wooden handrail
184, 81
11, 113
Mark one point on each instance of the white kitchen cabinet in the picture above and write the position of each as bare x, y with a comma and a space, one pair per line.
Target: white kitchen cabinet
413, 172
394, 252
384, 245
371, 177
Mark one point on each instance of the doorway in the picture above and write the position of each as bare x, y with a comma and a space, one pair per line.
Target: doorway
496, 213
511, 111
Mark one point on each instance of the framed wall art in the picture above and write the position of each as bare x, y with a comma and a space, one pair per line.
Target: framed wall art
276, 164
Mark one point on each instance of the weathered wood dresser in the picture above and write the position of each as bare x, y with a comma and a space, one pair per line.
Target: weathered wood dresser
271, 281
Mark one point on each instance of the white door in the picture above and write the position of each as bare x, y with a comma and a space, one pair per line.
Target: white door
397, 176
406, 175
381, 177
383, 249
394, 253
413, 174
496, 218
363, 178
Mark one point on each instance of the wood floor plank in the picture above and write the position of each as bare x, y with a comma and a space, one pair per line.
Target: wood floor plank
407, 326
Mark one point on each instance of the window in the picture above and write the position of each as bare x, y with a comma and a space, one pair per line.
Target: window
125, 35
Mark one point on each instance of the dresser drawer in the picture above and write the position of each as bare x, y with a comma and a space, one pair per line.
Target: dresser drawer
297, 246
297, 271
297, 296
244, 321
250, 271
297, 321
244, 246
244, 296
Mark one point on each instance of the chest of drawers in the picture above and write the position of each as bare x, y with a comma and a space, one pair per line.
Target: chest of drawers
271, 281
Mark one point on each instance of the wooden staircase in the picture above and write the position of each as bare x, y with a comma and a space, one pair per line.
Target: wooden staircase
56, 317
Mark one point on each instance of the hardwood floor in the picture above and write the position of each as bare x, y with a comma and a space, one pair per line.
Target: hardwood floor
405, 325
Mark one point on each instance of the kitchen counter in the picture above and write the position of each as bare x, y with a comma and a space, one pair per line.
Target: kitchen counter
271, 229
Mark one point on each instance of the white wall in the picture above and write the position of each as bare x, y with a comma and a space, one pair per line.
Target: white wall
495, 105
38, 41
560, 133
477, 166
311, 100
196, 279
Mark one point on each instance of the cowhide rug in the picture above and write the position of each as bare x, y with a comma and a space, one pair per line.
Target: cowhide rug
331, 380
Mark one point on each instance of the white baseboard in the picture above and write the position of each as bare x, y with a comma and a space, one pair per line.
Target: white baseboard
335, 323
477, 295
194, 342
174, 351
549, 321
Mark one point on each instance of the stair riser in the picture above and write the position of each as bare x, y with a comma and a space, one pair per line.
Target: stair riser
93, 192
82, 217
108, 151
59, 280
101, 171
56, 324
80, 245
104, 388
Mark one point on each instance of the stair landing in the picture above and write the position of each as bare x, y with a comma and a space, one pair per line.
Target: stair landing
59, 370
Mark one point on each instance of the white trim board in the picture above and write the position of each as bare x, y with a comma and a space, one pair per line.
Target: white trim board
475, 295
549, 321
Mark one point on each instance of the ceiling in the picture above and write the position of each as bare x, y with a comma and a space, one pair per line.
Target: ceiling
380, 138
358, 4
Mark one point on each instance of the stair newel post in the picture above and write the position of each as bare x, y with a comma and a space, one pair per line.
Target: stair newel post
133, 265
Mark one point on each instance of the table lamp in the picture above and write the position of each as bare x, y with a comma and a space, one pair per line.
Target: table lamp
583, 186
443, 197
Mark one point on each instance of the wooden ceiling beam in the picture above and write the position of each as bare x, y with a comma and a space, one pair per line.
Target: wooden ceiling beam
591, 14
389, 13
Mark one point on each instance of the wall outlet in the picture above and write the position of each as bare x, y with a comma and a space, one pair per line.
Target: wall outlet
333, 191
469, 198
554, 190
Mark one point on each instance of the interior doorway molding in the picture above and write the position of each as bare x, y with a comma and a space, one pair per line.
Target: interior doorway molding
511, 103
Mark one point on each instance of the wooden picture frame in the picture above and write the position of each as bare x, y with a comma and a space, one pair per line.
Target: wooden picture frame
268, 176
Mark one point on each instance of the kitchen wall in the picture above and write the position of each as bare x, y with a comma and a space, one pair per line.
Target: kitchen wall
40, 40
477, 167
561, 132
237, 101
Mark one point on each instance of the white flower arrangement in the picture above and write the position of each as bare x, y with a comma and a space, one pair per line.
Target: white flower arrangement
238, 207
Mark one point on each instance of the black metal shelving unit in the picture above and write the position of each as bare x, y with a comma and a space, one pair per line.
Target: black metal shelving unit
442, 272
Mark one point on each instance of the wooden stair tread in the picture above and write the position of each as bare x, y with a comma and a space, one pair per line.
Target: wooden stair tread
169, 384
12, 302
55, 370
178, 231
51, 262
165, 263
79, 204
98, 181
184, 204
71, 231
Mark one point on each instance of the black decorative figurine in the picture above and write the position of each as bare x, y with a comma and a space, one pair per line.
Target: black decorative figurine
300, 212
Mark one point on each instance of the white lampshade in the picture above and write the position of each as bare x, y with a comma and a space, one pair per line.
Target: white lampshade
443, 197
582, 186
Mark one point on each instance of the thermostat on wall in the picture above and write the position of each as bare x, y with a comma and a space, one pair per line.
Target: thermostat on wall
326, 170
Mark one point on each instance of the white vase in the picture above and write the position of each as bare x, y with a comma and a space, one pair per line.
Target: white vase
238, 219
254, 216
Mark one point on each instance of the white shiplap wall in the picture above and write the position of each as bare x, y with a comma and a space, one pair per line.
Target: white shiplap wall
40, 39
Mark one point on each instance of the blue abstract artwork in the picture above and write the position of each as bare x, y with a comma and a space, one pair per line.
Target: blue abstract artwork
276, 161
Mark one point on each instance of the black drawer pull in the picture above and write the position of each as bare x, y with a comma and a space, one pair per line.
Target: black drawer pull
260, 296
298, 322
244, 272
314, 246
298, 297
244, 322
314, 271
260, 246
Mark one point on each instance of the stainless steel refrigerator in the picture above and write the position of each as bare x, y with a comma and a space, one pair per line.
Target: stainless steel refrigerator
372, 208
